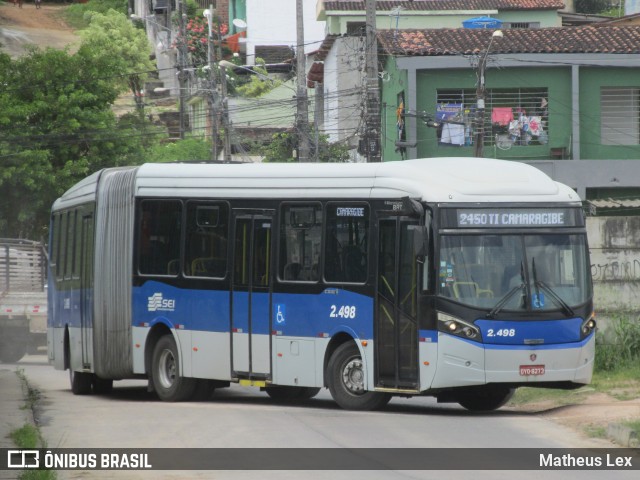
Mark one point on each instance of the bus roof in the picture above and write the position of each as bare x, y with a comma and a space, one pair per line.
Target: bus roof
455, 179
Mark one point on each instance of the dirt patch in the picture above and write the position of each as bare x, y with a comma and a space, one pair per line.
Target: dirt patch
43, 27
597, 410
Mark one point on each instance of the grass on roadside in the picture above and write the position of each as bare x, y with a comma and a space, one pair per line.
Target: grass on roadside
28, 436
622, 384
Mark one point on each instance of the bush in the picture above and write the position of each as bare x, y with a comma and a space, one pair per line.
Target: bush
622, 348
75, 14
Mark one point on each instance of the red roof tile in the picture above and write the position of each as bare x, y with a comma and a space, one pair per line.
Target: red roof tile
385, 5
466, 41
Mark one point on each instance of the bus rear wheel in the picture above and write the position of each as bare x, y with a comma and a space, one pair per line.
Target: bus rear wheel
80, 382
346, 381
165, 372
484, 398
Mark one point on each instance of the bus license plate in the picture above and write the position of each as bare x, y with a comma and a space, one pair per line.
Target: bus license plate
527, 370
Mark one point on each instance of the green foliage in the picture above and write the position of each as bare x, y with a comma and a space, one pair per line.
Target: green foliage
113, 38
591, 6
190, 149
622, 348
259, 83
282, 146
75, 14
57, 126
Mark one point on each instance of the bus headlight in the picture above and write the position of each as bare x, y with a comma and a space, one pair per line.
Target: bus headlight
460, 328
589, 325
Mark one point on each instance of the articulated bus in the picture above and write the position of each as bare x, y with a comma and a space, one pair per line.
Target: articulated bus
458, 278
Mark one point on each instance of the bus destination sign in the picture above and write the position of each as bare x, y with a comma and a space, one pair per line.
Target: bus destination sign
515, 217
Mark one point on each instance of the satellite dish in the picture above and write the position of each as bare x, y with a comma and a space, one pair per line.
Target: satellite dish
239, 23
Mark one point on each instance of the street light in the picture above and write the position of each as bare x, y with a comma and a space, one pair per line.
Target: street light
482, 65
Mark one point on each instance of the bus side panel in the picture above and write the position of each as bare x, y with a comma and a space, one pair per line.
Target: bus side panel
305, 324
427, 357
460, 363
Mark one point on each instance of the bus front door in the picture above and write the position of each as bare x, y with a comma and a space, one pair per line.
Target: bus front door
396, 332
251, 297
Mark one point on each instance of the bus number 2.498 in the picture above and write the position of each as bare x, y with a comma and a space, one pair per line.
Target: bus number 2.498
345, 311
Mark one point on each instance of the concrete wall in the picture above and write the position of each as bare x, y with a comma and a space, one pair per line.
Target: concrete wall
615, 264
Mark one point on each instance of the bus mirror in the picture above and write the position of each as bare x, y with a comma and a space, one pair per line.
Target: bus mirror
420, 240
412, 207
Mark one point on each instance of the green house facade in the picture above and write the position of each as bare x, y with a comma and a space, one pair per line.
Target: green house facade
564, 99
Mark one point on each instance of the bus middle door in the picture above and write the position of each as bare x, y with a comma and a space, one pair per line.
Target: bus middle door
251, 297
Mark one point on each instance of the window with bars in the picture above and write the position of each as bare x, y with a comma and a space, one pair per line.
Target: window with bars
619, 116
515, 116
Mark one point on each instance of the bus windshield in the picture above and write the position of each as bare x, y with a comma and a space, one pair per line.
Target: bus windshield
515, 272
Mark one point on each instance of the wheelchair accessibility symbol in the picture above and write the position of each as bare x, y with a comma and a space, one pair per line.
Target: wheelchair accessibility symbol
280, 314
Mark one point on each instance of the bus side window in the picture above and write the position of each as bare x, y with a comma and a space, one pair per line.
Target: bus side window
160, 225
346, 250
206, 240
300, 242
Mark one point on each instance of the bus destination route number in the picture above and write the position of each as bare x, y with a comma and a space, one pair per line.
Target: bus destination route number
529, 370
344, 311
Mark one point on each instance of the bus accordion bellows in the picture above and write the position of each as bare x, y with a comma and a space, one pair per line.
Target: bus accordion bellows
459, 278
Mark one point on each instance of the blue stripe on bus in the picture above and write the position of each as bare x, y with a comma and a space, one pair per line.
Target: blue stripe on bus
500, 332
304, 315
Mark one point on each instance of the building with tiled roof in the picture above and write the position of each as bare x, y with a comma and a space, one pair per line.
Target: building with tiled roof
564, 99
348, 16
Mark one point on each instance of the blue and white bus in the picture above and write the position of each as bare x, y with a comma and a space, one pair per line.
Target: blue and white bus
459, 278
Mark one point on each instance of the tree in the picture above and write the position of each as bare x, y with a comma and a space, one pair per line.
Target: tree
112, 37
282, 146
56, 121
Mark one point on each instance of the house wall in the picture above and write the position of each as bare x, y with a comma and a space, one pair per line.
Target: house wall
614, 244
343, 89
591, 80
273, 22
337, 24
557, 80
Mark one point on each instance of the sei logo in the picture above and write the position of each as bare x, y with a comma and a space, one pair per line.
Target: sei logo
157, 303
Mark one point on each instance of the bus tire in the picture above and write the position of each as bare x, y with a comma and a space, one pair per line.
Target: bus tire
485, 398
165, 367
346, 381
80, 382
102, 386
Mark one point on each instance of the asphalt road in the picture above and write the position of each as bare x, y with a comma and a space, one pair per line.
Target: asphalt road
244, 417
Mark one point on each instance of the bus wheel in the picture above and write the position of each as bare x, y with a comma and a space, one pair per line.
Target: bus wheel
168, 383
80, 382
291, 393
102, 386
484, 398
346, 381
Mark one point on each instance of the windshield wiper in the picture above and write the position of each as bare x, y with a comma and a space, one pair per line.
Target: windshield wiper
503, 301
556, 298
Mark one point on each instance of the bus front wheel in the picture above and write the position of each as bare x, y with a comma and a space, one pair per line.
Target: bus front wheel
484, 398
346, 381
80, 382
167, 382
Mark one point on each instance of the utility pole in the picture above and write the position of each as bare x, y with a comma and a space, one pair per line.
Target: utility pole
224, 109
372, 114
212, 86
182, 57
302, 111
480, 91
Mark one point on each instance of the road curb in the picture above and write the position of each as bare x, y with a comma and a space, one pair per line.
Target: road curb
623, 435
